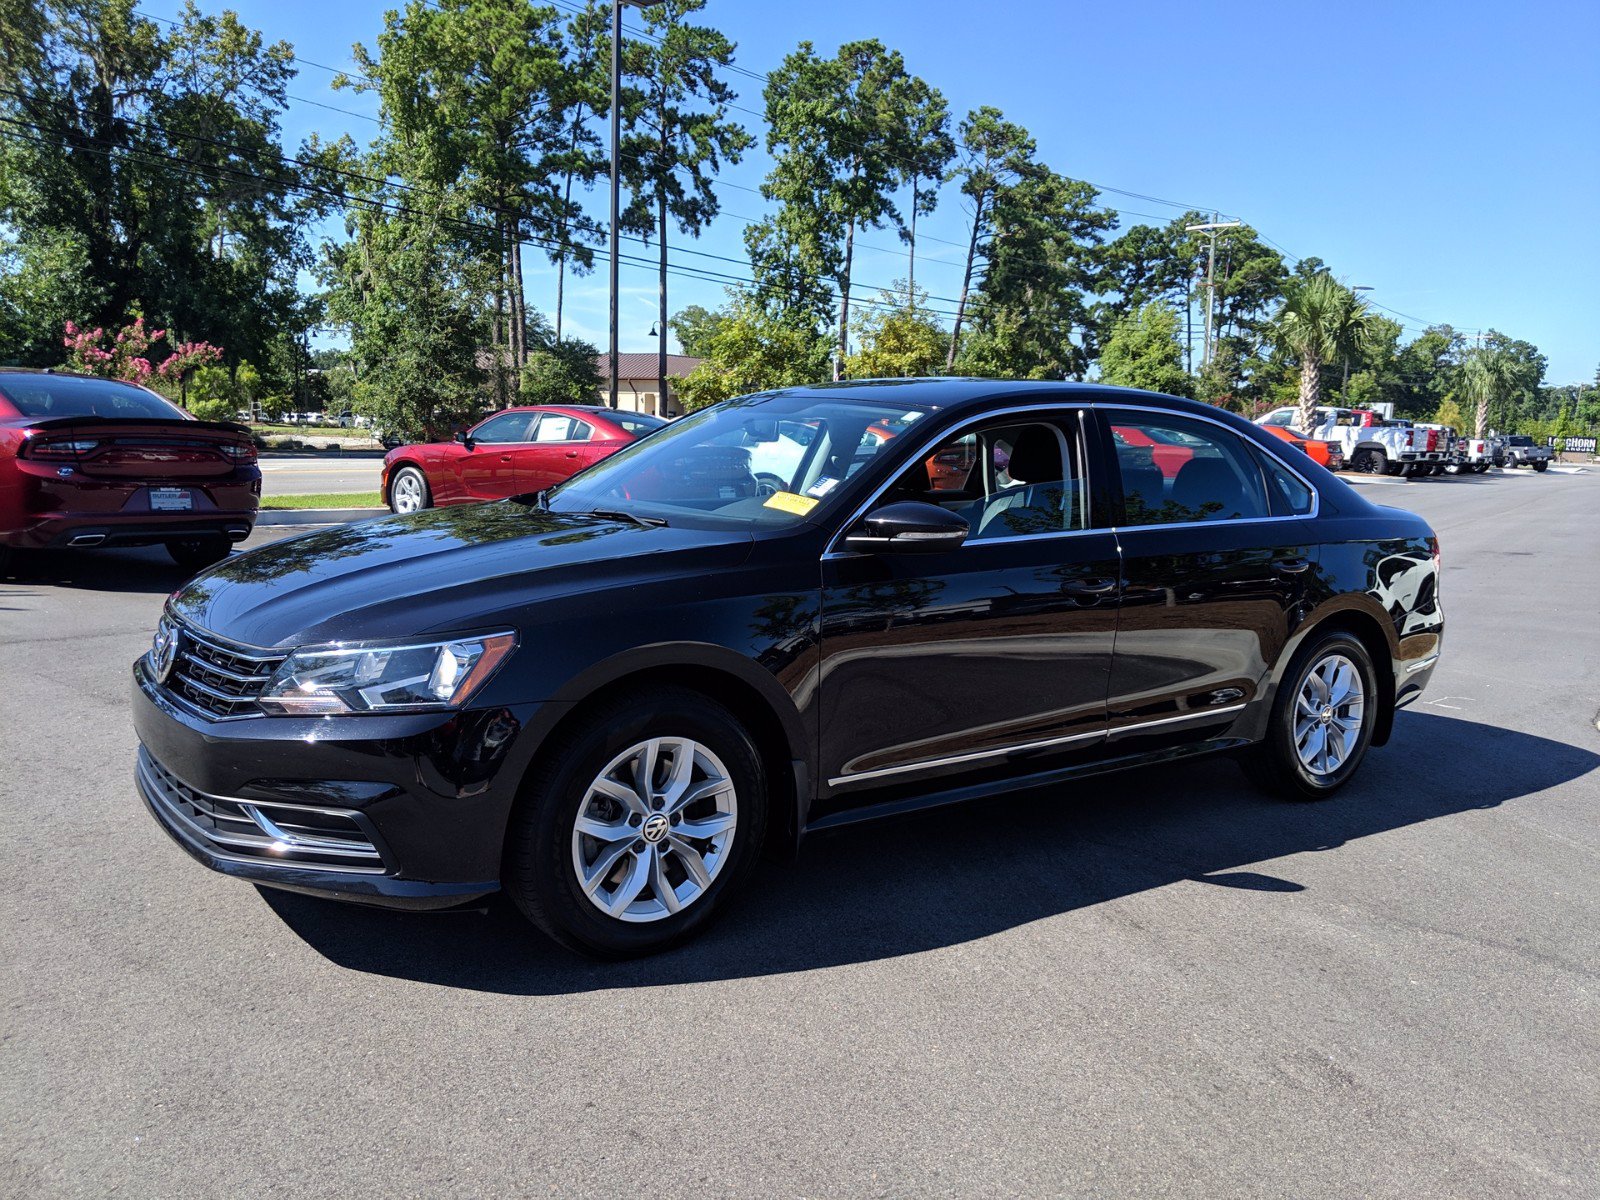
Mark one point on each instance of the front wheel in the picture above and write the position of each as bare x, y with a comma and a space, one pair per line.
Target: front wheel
408, 492
1321, 722
193, 553
636, 826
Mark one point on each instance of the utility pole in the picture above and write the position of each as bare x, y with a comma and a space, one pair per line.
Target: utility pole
616, 182
1211, 228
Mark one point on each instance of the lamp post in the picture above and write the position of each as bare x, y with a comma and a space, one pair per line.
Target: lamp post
616, 162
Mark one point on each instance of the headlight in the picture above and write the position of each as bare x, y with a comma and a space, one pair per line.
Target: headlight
378, 677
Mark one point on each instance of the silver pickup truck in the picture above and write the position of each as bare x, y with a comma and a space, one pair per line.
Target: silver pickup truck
1523, 451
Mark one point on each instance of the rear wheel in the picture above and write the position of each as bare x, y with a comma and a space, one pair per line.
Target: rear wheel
1372, 462
194, 553
408, 491
1540, 465
637, 825
1321, 722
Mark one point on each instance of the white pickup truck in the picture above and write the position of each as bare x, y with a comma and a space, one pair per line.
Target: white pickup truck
1369, 443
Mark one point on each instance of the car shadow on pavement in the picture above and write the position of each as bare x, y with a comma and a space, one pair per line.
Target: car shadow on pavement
144, 569
958, 874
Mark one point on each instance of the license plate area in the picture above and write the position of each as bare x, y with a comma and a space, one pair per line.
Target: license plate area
171, 499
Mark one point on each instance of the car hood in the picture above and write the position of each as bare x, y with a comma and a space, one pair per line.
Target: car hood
444, 570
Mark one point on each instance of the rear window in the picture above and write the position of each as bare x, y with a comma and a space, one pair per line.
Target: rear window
1522, 441
638, 424
66, 396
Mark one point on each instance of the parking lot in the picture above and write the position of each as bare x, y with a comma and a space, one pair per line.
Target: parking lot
1158, 983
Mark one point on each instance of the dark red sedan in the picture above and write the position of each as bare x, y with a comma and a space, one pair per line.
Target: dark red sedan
93, 462
513, 451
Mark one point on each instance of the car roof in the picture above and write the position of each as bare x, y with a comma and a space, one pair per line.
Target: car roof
957, 394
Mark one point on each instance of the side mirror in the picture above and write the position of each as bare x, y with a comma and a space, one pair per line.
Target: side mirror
908, 527
465, 438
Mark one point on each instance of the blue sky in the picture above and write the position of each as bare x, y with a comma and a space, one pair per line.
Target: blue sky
1445, 155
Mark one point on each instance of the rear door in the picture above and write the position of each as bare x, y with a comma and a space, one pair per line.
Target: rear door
561, 446
1215, 560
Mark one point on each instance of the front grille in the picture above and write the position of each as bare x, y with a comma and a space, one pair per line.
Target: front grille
219, 678
292, 834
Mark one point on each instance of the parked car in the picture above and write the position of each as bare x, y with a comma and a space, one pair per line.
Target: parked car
1523, 451
1474, 455
512, 451
1329, 454
610, 699
1366, 442
87, 462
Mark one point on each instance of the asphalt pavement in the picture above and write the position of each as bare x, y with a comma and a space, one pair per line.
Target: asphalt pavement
310, 476
1155, 984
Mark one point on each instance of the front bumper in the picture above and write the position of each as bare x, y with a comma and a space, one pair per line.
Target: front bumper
404, 811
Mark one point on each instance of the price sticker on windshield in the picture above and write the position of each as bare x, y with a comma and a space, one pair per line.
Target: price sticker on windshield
790, 503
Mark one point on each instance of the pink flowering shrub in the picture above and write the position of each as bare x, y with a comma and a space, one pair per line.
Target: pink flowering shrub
128, 355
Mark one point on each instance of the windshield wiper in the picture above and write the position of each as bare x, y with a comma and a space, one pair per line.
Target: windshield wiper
612, 514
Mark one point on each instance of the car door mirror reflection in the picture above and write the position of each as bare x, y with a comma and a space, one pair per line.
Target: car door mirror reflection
908, 527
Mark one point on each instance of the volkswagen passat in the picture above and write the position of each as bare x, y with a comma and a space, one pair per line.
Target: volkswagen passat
609, 697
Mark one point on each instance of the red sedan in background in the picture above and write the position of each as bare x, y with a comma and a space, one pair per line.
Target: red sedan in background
86, 461
513, 451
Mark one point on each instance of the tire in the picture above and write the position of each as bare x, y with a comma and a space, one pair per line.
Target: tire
1482, 468
194, 553
1276, 764
1456, 469
409, 492
1540, 465
1377, 463
6, 557
545, 851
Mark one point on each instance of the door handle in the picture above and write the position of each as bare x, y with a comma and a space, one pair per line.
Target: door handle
572, 454
1291, 566
1089, 587
505, 458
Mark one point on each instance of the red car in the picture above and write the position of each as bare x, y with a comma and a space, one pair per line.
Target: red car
93, 462
513, 451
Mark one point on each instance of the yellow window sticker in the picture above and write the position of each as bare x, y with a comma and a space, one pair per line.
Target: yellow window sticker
790, 503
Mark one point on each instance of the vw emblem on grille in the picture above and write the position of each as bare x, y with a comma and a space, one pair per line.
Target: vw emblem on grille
164, 651
655, 827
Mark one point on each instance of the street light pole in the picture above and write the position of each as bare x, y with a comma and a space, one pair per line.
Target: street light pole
616, 181
1210, 227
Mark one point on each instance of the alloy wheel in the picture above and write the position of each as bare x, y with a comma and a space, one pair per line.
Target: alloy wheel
1328, 715
654, 829
407, 492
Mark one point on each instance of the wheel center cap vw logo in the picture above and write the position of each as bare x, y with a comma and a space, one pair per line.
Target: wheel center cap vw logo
655, 827
1327, 716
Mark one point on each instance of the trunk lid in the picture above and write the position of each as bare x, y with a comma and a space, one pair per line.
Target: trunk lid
148, 449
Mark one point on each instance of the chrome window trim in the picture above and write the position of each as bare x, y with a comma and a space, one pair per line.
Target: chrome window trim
1035, 409
833, 550
976, 755
1316, 495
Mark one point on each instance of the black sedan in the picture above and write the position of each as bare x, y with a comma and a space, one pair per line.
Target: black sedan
608, 698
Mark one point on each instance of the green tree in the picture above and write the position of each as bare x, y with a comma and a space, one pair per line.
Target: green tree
1143, 352
142, 168
993, 155
1482, 379
695, 326
590, 93
679, 131
842, 131
1317, 321
897, 338
929, 149
559, 370
1145, 264
1449, 413
754, 347
474, 95
1032, 318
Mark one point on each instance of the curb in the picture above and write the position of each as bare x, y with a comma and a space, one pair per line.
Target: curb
316, 516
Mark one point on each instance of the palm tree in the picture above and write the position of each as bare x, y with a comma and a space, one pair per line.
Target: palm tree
1482, 375
1320, 320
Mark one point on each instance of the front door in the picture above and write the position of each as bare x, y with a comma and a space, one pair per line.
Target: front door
561, 446
488, 469
1215, 559
993, 654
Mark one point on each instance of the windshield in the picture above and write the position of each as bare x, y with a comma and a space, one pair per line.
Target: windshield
752, 462
69, 396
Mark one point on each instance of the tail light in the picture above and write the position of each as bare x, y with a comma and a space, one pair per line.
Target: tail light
242, 453
58, 449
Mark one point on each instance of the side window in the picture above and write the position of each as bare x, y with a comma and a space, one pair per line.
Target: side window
507, 427
1176, 470
1282, 417
553, 427
582, 431
1290, 497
